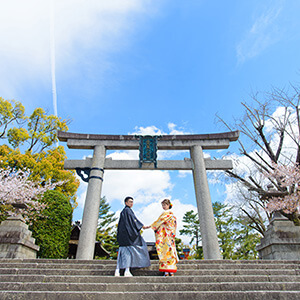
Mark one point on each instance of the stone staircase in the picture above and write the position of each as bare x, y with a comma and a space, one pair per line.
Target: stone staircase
76, 279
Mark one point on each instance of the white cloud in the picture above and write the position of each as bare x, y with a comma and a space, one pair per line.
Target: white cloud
80, 26
183, 174
126, 155
173, 131
81, 193
144, 186
263, 33
149, 130
153, 130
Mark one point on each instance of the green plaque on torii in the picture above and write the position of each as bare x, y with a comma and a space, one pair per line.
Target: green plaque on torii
148, 149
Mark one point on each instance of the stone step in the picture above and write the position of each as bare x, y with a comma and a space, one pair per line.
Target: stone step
165, 285
154, 266
185, 295
148, 279
99, 261
139, 272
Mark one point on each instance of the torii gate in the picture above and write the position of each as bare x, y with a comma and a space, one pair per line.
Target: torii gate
94, 168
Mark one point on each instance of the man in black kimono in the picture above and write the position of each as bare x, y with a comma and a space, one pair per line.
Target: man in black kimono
133, 252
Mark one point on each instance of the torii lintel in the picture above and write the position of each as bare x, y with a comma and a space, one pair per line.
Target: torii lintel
165, 142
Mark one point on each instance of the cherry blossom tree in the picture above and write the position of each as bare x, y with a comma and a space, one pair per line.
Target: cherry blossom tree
20, 195
265, 177
284, 195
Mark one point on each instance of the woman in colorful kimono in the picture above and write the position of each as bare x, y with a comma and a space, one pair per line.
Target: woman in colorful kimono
165, 230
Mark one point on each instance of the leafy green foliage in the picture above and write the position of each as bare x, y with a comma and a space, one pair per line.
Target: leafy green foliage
225, 229
30, 145
191, 226
17, 136
246, 239
179, 245
196, 252
38, 131
3, 212
237, 240
11, 112
42, 129
106, 218
41, 157
42, 166
52, 230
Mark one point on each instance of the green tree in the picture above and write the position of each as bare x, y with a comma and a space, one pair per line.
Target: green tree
237, 240
29, 143
43, 166
31, 146
106, 217
225, 226
52, 230
36, 132
107, 228
191, 228
246, 239
179, 245
11, 112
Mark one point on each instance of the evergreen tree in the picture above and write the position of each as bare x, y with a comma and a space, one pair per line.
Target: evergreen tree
225, 229
246, 239
192, 228
52, 230
106, 218
107, 228
179, 245
237, 240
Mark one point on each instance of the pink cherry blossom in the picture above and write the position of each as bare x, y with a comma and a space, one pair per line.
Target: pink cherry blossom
287, 178
16, 187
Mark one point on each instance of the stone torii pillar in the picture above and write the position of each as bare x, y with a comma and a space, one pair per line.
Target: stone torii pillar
95, 167
210, 242
86, 243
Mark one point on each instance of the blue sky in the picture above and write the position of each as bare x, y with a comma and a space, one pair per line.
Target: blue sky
135, 66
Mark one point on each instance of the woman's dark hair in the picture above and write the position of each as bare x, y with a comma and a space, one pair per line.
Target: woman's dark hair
127, 199
168, 202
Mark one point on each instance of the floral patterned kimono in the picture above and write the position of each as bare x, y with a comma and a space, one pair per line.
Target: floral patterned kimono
165, 229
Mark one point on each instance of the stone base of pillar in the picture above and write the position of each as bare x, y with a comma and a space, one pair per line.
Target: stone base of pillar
16, 240
281, 240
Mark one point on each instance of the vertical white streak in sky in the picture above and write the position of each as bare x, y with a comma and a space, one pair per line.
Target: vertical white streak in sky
52, 54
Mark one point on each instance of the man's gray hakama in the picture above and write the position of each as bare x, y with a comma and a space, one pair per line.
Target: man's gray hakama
133, 252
